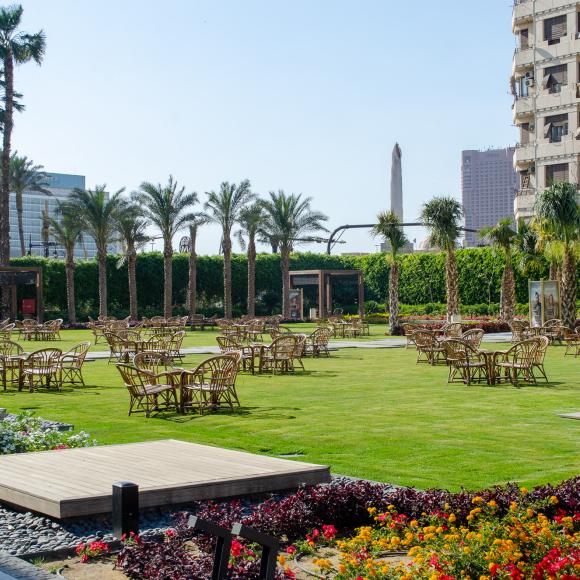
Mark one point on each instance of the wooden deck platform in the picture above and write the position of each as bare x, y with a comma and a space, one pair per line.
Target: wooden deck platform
77, 482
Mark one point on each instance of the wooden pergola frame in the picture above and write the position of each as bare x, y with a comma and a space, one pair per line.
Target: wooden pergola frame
14, 285
324, 283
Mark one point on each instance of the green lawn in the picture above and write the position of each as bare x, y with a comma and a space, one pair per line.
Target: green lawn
367, 413
197, 338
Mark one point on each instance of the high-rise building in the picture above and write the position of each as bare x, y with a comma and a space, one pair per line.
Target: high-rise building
488, 187
35, 205
545, 84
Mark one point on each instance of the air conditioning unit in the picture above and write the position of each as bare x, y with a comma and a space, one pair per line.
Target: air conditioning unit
530, 74
529, 82
533, 169
532, 127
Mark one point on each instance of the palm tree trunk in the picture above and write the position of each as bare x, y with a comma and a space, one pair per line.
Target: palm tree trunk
251, 276
70, 285
285, 265
167, 278
553, 270
5, 189
102, 262
452, 283
132, 275
508, 293
19, 212
569, 288
192, 273
227, 244
393, 297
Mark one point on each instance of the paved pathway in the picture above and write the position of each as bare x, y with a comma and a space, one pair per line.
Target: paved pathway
391, 342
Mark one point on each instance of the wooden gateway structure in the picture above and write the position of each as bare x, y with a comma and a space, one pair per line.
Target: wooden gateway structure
12, 277
324, 279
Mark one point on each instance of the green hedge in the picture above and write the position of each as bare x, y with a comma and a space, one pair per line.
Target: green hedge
422, 280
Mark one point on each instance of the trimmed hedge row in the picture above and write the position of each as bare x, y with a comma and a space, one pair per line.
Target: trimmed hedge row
422, 280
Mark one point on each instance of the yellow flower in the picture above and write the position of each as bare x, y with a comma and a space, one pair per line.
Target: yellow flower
492, 503
467, 550
413, 523
372, 510
477, 500
452, 518
524, 490
395, 541
554, 500
281, 559
323, 564
342, 568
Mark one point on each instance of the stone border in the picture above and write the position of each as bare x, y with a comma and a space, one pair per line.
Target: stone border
14, 568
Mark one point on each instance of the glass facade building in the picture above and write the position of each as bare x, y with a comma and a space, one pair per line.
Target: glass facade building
34, 205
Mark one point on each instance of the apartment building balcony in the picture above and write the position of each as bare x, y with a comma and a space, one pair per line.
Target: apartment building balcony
524, 154
522, 108
523, 9
523, 58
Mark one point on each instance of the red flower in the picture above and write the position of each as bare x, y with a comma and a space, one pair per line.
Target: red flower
329, 532
237, 548
84, 558
169, 533
80, 548
291, 550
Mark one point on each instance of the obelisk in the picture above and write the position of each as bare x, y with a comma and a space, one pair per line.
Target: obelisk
397, 182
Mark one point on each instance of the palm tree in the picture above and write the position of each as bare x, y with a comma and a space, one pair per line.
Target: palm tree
223, 208
289, 218
557, 216
442, 216
526, 241
132, 229
251, 220
97, 212
16, 47
502, 238
198, 220
389, 228
66, 232
25, 176
166, 207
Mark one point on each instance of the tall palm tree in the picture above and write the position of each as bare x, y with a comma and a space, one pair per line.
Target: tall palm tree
289, 218
442, 217
25, 176
66, 232
557, 215
132, 229
167, 207
528, 256
389, 228
16, 47
251, 220
502, 238
196, 222
223, 208
97, 212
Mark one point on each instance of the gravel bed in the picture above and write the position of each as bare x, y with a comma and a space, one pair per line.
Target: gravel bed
45, 424
24, 533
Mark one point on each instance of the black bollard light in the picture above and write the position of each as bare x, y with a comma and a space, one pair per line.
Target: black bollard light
125, 508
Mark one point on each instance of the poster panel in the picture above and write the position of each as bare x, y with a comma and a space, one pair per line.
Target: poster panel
296, 304
551, 299
536, 303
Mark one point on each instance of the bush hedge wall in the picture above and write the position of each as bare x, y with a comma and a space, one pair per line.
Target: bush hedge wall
422, 280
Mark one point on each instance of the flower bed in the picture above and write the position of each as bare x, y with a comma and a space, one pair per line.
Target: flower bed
24, 432
520, 531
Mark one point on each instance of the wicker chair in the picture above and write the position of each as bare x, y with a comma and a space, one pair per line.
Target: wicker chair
280, 331
552, 329
353, 328
538, 362
6, 331
464, 360
160, 343
174, 344
517, 362
120, 349
42, 367
452, 330
9, 366
473, 337
255, 330
317, 342
571, 339
156, 362
211, 383
71, 364
228, 346
49, 330
279, 356
28, 329
428, 346
148, 392
299, 348
409, 330
520, 330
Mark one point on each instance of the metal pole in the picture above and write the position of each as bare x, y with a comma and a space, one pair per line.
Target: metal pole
125, 508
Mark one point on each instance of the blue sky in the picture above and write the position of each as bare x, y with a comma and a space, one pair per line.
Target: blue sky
306, 96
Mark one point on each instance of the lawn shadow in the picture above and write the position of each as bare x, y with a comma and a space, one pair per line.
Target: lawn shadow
238, 413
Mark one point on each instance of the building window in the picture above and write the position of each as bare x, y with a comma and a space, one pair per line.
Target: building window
524, 39
555, 127
555, 28
524, 83
525, 133
555, 77
555, 173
